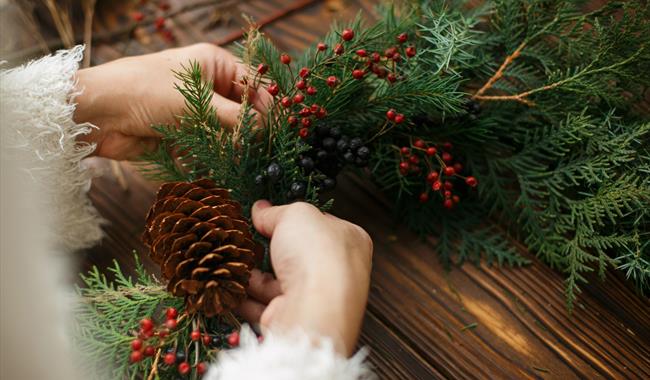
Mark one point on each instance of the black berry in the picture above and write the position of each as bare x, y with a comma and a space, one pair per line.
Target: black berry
363, 152
298, 189
274, 171
180, 356
259, 179
329, 144
355, 143
307, 163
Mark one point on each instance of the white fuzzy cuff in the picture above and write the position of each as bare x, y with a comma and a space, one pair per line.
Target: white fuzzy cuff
287, 357
37, 107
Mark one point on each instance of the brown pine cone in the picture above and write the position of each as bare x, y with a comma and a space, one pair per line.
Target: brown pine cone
203, 245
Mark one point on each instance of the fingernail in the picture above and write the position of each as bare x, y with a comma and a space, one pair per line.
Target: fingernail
262, 204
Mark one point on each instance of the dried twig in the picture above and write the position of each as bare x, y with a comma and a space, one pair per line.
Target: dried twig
89, 14
499, 73
62, 22
26, 11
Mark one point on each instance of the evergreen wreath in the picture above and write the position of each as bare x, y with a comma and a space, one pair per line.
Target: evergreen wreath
509, 122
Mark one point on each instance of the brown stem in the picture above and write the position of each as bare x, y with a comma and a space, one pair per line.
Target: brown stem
154, 366
89, 13
499, 73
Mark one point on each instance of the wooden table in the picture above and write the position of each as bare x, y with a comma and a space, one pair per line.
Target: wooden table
422, 321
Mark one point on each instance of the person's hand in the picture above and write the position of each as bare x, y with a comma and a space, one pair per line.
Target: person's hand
123, 98
322, 265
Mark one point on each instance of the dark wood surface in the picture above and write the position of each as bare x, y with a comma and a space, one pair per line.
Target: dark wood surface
422, 321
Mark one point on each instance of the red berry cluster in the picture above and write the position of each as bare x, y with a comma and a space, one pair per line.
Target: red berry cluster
160, 8
386, 65
440, 168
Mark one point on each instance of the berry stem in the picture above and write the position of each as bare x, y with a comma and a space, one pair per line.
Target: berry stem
154, 366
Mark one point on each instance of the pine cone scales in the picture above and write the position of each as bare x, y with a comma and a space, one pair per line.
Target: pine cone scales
198, 236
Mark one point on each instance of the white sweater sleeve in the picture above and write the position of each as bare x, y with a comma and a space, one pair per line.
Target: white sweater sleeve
287, 357
37, 107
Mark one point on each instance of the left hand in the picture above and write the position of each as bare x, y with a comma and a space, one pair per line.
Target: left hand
125, 97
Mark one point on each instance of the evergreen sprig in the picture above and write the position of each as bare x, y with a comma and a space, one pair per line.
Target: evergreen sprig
535, 97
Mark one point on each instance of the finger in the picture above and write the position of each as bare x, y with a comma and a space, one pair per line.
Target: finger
229, 73
227, 110
118, 146
266, 217
263, 287
251, 310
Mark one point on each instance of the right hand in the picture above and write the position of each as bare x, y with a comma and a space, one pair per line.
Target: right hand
322, 266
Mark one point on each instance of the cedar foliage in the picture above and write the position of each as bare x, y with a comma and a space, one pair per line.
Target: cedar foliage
559, 148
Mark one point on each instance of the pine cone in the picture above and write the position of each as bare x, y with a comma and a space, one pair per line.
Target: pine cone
203, 245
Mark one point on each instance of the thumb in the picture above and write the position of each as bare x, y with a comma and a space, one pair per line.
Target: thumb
266, 217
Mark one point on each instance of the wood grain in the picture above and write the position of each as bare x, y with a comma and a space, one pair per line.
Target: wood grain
473, 322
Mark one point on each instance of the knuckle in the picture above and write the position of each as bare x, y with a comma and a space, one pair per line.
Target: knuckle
301, 208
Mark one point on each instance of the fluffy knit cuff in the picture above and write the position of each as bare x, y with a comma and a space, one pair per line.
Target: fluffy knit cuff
37, 106
287, 357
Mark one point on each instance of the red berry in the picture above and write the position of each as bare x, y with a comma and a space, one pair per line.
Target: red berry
458, 167
381, 72
136, 344
306, 122
375, 57
338, 49
431, 151
446, 157
390, 114
304, 133
447, 194
233, 338
301, 85
135, 356
471, 181
146, 324
160, 23
448, 203
397, 57
292, 120
332, 81
322, 112
405, 150
414, 159
436, 185
201, 368
424, 197
164, 6
449, 170
171, 323
170, 358
456, 198
402, 37
447, 146
410, 51
347, 34
284, 58
390, 52
286, 102
207, 339
171, 312
304, 72
195, 335
138, 16
311, 90
449, 185
391, 78
419, 143
432, 177
184, 368
358, 74
314, 108
404, 166
262, 68
162, 334
362, 53
149, 351
399, 118
273, 89
298, 98
305, 111
148, 334
321, 46
168, 35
